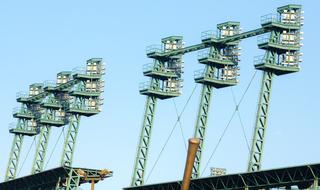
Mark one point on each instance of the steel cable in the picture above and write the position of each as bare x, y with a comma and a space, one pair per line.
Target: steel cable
34, 139
173, 128
62, 132
228, 124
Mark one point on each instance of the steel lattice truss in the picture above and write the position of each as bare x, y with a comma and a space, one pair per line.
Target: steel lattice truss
145, 137
56, 104
201, 124
282, 46
66, 178
78, 94
261, 122
300, 176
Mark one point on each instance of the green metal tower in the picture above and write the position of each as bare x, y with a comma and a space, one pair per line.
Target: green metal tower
52, 115
26, 126
282, 57
55, 105
85, 100
165, 73
221, 70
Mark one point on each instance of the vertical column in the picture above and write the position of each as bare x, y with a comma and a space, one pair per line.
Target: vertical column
261, 122
14, 157
165, 82
70, 140
85, 100
282, 57
201, 125
143, 147
26, 126
221, 70
38, 162
73, 182
315, 185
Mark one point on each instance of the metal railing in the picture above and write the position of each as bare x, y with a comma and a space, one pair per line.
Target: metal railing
51, 100
49, 83
270, 18
155, 48
146, 85
259, 59
79, 70
209, 34
262, 59
290, 64
149, 67
85, 71
266, 39
51, 118
203, 54
263, 39
85, 108
206, 54
12, 126
20, 110
156, 67
199, 73
22, 94
172, 89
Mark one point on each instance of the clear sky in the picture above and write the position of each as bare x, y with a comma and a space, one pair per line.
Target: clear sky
40, 38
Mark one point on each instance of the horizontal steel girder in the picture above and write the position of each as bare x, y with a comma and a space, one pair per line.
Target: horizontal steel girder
301, 176
204, 45
49, 179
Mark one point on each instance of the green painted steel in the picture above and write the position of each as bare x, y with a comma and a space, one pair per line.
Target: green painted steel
73, 181
165, 82
85, 100
45, 106
209, 41
60, 178
84, 89
221, 70
70, 140
282, 56
26, 126
261, 122
40, 155
144, 144
52, 115
296, 177
201, 124
14, 157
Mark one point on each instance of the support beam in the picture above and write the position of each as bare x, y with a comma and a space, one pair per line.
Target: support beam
70, 140
14, 157
40, 155
61, 178
221, 71
261, 123
315, 185
244, 35
201, 125
73, 181
290, 177
144, 143
200, 46
25, 126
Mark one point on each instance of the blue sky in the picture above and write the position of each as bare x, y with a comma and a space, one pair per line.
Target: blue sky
39, 39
